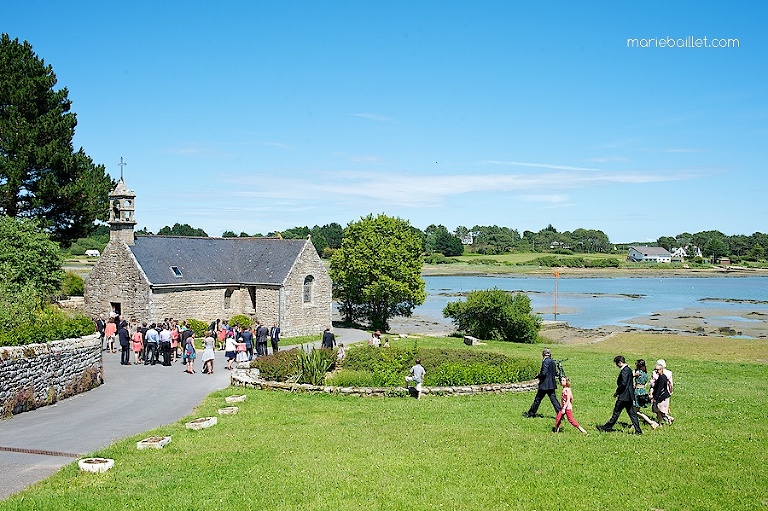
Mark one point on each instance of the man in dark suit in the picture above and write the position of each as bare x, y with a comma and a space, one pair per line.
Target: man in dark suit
274, 337
261, 339
547, 384
125, 340
624, 392
329, 340
101, 325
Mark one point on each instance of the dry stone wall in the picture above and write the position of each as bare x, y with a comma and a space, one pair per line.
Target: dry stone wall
38, 374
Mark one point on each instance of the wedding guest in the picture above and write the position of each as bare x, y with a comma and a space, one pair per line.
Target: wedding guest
189, 353
624, 395
138, 345
660, 396
547, 384
110, 331
641, 397
209, 355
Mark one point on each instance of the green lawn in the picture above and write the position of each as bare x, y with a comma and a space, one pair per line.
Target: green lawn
321, 452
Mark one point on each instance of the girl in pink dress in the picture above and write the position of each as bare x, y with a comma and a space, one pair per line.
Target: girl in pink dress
566, 402
137, 343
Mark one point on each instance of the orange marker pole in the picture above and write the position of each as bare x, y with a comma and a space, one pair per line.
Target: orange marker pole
557, 274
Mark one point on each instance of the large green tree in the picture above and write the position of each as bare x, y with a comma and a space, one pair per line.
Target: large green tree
41, 175
377, 270
28, 258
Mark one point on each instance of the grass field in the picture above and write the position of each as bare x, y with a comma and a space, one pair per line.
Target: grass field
321, 452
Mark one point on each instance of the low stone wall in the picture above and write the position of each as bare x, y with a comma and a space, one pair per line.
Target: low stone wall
36, 375
249, 378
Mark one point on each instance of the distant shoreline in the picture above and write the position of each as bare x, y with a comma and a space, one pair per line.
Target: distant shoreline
449, 270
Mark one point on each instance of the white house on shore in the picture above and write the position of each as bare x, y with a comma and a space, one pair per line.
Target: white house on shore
640, 254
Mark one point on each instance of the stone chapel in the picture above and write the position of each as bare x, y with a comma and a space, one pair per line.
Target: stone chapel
149, 278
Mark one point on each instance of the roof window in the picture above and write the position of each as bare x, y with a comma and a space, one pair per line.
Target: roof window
177, 271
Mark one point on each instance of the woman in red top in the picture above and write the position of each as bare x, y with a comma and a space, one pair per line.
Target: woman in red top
566, 407
110, 330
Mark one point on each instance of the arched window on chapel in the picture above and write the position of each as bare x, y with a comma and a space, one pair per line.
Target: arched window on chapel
309, 282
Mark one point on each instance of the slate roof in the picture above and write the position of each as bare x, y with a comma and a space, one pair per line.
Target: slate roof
242, 261
646, 251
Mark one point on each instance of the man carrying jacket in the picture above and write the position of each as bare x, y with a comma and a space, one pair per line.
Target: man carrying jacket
547, 384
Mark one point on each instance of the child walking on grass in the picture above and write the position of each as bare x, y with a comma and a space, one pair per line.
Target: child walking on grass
566, 407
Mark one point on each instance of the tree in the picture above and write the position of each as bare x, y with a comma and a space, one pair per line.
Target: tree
757, 253
181, 230
333, 233
667, 242
28, 258
377, 270
714, 248
448, 244
41, 176
495, 314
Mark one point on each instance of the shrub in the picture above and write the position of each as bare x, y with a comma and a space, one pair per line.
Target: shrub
197, 326
296, 365
49, 324
455, 373
495, 314
375, 367
313, 365
240, 319
280, 366
72, 285
438, 258
484, 261
17, 306
354, 378
602, 263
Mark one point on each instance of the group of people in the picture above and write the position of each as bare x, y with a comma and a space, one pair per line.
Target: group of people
631, 394
163, 342
239, 343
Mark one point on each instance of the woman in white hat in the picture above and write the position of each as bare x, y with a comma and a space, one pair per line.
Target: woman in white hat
661, 369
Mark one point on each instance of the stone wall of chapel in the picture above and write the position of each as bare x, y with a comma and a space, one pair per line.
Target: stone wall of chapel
298, 317
208, 304
116, 277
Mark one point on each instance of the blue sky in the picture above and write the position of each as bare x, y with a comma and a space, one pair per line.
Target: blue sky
259, 116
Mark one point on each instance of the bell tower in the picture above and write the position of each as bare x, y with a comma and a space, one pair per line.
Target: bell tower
121, 211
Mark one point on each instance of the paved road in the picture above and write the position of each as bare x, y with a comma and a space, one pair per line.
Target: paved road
133, 399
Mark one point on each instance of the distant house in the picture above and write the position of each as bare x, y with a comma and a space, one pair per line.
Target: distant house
642, 254
92, 253
681, 253
148, 278
467, 239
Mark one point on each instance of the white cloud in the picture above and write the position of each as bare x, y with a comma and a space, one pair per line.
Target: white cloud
373, 117
535, 165
414, 190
